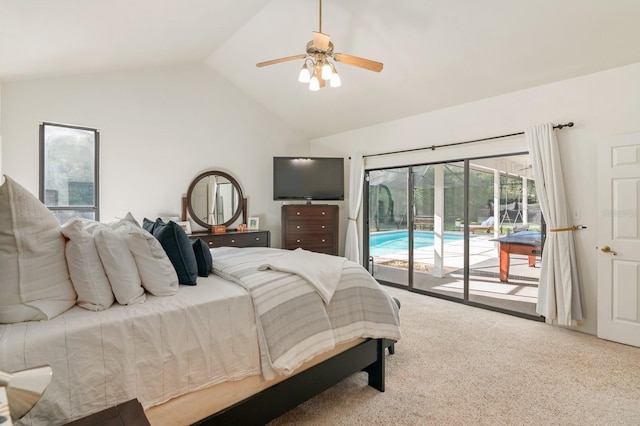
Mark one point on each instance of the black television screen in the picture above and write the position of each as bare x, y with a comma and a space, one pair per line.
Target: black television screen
308, 178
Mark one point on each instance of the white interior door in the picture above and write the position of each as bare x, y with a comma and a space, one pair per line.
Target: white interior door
619, 239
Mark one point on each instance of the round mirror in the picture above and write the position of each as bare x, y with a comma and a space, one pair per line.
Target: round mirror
214, 198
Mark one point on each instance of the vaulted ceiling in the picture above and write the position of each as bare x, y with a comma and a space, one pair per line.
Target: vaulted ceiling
436, 53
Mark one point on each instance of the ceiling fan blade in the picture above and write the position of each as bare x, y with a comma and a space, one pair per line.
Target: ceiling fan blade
358, 62
277, 61
321, 41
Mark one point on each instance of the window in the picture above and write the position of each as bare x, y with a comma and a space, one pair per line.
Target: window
69, 170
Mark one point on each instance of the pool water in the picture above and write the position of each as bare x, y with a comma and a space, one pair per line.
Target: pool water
381, 243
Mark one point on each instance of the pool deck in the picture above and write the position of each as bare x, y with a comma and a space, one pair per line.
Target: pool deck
519, 294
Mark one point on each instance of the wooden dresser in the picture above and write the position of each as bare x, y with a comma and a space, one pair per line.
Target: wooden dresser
235, 239
312, 227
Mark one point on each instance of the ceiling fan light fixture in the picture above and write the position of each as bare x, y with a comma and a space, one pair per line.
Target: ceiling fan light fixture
314, 84
304, 76
335, 79
326, 71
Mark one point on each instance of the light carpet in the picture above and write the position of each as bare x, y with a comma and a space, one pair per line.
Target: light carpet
460, 365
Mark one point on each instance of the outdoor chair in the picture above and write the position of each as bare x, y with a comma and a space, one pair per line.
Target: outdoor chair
486, 225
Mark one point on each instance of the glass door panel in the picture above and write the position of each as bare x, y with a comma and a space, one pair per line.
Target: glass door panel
388, 229
503, 209
438, 254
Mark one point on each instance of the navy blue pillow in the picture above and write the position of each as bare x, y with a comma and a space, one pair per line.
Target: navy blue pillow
149, 225
203, 257
177, 245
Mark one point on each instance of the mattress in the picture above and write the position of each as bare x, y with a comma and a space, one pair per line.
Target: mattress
154, 351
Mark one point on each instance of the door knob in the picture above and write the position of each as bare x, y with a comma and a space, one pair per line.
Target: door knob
607, 249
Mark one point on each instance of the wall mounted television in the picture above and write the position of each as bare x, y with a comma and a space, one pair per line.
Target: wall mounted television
308, 178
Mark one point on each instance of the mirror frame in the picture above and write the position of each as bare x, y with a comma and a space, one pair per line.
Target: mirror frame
236, 214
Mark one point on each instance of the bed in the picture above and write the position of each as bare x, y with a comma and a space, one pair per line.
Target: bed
124, 313
199, 356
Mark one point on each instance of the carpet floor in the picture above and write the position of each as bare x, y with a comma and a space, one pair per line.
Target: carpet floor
460, 365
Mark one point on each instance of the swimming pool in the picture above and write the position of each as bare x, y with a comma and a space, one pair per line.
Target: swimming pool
381, 243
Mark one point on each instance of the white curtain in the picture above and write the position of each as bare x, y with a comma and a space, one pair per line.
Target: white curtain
356, 177
559, 290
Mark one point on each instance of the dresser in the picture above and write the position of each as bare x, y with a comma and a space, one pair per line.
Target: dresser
312, 227
235, 239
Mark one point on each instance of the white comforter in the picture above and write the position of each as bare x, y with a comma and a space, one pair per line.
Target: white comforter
165, 347
322, 271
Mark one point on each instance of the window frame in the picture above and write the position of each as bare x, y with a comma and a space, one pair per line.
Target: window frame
95, 208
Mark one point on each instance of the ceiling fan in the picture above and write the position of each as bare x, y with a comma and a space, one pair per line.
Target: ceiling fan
318, 68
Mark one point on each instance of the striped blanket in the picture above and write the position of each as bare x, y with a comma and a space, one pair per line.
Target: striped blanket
293, 322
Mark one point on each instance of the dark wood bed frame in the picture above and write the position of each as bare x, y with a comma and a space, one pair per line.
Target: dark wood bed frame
272, 402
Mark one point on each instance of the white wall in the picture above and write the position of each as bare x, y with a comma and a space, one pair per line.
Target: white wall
159, 128
601, 104
1, 176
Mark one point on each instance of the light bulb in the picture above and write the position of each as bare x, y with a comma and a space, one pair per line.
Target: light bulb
314, 84
335, 80
305, 75
326, 71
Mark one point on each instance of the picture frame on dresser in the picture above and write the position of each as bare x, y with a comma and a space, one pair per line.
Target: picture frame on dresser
254, 223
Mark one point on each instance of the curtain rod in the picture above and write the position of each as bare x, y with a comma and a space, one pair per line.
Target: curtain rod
433, 147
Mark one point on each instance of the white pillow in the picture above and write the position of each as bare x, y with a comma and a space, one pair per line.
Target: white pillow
34, 279
87, 273
119, 265
158, 275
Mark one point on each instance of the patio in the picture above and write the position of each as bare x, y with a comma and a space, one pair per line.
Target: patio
518, 294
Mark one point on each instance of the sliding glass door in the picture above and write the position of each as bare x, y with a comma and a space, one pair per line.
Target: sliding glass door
467, 230
438, 255
506, 219
388, 225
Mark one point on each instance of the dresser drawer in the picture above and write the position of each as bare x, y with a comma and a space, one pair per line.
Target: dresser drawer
236, 239
244, 239
310, 226
307, 240
310, 212
312, 245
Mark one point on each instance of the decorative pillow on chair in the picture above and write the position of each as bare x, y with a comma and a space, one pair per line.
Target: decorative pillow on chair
203, 257
488, 221
177, 245
87, 273
156, 270
34, 279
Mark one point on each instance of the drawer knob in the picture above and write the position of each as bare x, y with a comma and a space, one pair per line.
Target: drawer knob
210, 243
298, 213
322, 212
297, 241
298, 226
322, 226
323, 240
233, 241
257, 238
